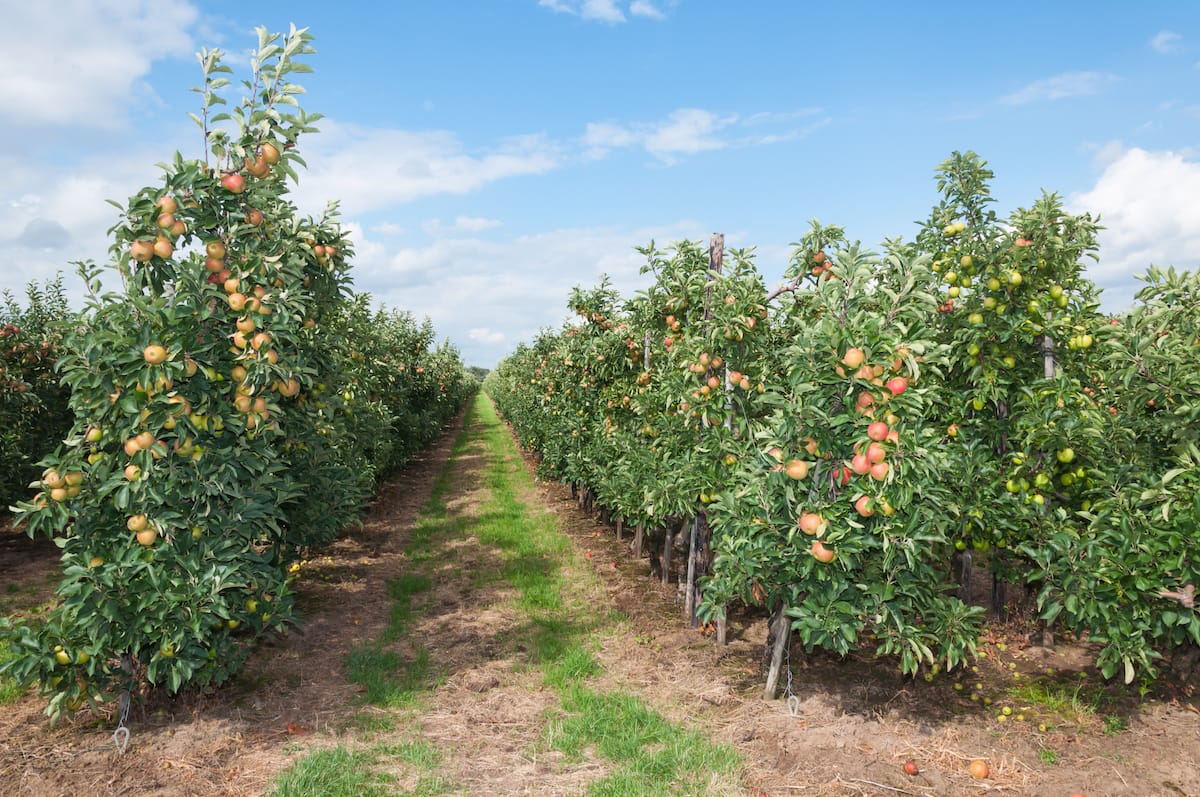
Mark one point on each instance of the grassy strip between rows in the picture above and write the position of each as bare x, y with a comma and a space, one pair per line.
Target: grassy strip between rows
645, 754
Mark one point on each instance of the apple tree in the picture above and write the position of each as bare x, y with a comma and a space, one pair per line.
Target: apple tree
206, 419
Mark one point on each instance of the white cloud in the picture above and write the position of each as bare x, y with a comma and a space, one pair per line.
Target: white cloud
51, 216
461, 224
488, 295
641, 8
685, 131
1059, 87
601, 137
485, 335
1149, 205
388, 228
688, 131
1166, 42
599, 10
370, 168
89, 72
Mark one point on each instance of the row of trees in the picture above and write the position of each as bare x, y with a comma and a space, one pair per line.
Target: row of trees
834, 443
33, 403
233, 403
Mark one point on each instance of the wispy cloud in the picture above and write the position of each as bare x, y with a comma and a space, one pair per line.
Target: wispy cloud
1059, 87
609, 11
688, 131
598, 10
461, 224
641, 8
1166, 42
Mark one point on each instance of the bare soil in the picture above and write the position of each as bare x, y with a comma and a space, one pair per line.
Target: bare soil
851, 725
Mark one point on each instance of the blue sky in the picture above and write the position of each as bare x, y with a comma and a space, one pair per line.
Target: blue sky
491, 155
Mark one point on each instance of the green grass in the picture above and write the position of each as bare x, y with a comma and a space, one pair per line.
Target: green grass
340, 772
650, 756
389, 680
1071, 701
334, 772
10, 690
555, 634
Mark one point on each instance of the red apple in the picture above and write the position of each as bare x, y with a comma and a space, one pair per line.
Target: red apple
853, 358
811, 523
233, 182
864, 506
141, 251
821, 553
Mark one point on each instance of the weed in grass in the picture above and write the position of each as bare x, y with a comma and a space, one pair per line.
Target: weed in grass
1114, 724
1079, 701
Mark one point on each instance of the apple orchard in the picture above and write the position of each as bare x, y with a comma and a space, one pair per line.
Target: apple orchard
836, 451
841, 449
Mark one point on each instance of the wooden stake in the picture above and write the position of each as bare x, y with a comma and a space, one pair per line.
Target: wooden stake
782, 627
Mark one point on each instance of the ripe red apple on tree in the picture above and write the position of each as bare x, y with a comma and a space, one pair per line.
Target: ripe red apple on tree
853, 358
821, 553
233, 182
897, 385
258, 167
811, 523
141, 251
877, 431
796, 469
864, 506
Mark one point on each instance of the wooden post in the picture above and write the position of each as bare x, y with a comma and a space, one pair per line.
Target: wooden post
781, 625
698, 550
1049, 363
668, 545
689, 595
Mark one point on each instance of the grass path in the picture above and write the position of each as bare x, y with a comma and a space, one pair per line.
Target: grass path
486, 678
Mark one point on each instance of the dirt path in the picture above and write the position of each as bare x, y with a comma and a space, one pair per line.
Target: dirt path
852, 725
